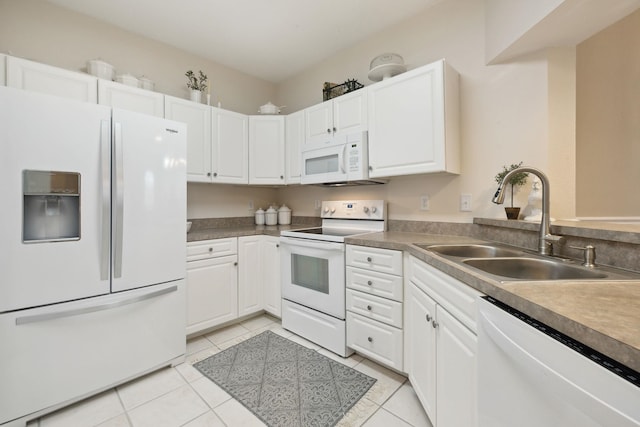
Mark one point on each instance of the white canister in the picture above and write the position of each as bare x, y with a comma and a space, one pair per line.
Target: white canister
271, 216
284, 215
260, 217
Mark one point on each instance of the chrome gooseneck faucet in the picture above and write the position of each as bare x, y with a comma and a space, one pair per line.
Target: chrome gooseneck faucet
545, 237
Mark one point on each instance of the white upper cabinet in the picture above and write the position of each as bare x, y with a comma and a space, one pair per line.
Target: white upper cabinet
130, 98
33, 76
198, 119
266, 150
229, 147
344, 114
294, 140
413, 122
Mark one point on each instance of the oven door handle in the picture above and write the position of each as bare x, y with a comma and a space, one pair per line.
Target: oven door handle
314, 244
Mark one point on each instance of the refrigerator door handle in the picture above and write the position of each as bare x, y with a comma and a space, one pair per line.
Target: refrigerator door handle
118, 173
105, 154
91, 309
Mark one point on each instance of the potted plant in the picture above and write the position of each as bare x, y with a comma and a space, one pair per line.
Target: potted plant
517, 180
197, 84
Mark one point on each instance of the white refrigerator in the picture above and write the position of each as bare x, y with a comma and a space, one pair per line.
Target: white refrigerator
92, 240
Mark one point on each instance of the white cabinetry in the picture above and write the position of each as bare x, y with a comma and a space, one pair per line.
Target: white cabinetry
250, 277
212, 283
130, 98
229, 147
293, 141
266, 150
413, 122
374, 304
271, 275
344, 114
441, 344
198, 119
36, 77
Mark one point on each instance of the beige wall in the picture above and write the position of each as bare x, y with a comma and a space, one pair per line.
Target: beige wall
37, 30
505, 109
608, 121
505, 113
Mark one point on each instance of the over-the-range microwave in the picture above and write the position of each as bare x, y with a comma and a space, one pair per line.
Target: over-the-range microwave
342, 161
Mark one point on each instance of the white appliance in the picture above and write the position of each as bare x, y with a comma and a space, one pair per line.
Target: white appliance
342, 161
93, 248
313, 271
530, 375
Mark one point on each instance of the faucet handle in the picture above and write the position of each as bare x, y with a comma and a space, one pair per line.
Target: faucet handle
589, 255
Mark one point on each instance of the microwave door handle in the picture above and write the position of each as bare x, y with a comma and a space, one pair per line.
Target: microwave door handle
343, 162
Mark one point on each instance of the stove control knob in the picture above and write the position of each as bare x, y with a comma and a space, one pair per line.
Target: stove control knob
333, 210
326, 209
366, 209
374, 209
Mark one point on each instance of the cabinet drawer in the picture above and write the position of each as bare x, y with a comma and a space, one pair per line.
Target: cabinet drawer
380, 342
376, 259
371, 282
212, 248
372, 307
456, 297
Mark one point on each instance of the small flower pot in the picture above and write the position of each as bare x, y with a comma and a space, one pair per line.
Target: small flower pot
512, 213
196, 96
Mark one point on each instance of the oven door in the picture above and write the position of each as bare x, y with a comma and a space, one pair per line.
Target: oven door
313, 274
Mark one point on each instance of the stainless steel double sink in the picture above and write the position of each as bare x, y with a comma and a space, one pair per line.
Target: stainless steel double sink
509, 264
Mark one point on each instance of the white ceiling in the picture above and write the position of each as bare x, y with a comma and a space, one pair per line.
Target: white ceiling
269, 39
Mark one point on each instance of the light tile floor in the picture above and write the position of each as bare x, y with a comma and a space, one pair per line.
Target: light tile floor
182, 396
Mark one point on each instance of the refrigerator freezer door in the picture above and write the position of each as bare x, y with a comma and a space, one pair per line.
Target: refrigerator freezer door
45, 133
148, 200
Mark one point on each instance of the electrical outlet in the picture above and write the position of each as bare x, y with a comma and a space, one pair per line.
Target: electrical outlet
424, 203
465, 203
250, 205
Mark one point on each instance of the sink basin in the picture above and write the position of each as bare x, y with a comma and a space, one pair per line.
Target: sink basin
533, 269
472, 251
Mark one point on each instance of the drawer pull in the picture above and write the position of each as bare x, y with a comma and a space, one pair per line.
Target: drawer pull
369, 283
429, 318
369, 308
370, 339
369, 259
210, 249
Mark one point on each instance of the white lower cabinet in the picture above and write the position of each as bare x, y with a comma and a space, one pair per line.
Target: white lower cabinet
440, 348
374, 304
231, 278
271, 275
212, 283
250, 295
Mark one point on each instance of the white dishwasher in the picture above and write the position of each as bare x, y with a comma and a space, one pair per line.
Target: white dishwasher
532, 375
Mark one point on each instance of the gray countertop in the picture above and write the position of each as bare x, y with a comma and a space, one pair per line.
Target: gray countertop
602, 315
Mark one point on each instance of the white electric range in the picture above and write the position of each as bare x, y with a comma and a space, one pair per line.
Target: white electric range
313, 271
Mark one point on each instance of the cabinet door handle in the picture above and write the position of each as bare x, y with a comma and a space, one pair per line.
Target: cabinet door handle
369, 259
208, 173
370, 168
369, 308
334, 130
277, 245
328, 130
429, 318
210, 249
281, 176
215, 174
369, 283
235, 263
434, 324
370, 339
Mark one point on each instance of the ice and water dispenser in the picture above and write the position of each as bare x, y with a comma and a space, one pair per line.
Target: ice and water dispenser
51, 206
